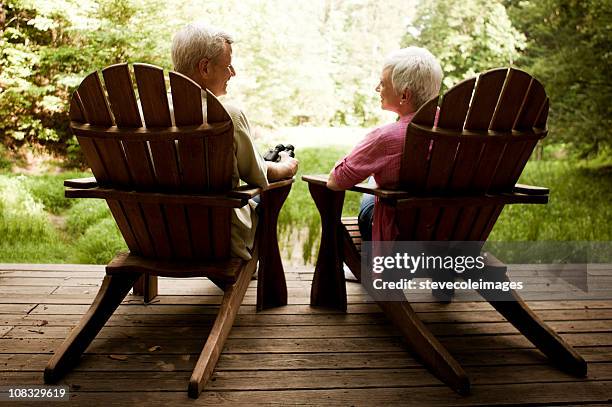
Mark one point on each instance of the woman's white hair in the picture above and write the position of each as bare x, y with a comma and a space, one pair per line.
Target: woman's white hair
416, 70
195, 42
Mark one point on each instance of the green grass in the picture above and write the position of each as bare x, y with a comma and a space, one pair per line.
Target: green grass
38, 225
578, 210
48, 189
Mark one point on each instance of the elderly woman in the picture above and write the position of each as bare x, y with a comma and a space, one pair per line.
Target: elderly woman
410, 77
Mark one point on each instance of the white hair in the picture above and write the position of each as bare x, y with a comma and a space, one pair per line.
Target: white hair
416, 70
195, 42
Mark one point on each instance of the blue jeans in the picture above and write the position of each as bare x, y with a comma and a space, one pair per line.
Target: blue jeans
366, 216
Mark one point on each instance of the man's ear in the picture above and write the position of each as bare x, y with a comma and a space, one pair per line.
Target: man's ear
203, 67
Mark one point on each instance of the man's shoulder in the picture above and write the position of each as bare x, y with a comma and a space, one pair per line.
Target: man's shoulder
234, 111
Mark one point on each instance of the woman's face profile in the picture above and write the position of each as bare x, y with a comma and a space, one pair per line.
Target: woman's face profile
389, 100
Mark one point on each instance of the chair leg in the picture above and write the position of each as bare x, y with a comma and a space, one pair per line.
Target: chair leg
113, 290
146, 286
516, 311
430, 351
328, 285
234, 294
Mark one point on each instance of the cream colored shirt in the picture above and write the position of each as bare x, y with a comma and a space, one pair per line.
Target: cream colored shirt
251, 168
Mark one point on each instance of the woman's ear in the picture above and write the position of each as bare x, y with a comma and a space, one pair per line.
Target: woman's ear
405, 98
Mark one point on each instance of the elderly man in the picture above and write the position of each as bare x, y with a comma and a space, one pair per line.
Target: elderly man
410, 77
204, 54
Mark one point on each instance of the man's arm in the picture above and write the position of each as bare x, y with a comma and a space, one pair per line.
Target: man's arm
285, 168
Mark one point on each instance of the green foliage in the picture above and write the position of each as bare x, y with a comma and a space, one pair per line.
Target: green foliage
467, 36
47, 47
322, 70
579, 207
569, 48
5, 162
48, 189
38, 224
84, 214
27, 234
21, 216
100, 243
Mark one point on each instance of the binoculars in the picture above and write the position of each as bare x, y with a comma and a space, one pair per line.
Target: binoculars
273, 153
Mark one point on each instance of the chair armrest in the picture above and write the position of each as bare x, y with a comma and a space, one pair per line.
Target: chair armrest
321, 179
249, 191
279, 183
530, 190
520, 194
83, 183
245, 192
470, 200
241, 192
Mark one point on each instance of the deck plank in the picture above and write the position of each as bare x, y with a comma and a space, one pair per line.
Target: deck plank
294, 354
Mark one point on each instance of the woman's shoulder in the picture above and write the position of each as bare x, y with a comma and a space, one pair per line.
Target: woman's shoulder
390, 130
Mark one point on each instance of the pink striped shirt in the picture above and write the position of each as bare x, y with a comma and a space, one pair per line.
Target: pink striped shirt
378, 154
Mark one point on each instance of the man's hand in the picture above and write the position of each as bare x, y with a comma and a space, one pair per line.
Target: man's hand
285, 168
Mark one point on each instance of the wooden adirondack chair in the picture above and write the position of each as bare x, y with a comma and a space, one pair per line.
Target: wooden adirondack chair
455, 180
167, 179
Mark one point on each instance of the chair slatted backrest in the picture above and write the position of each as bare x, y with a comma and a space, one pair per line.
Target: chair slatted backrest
158, 150
487, 129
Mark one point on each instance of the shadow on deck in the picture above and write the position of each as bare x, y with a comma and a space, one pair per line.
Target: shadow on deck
290, 355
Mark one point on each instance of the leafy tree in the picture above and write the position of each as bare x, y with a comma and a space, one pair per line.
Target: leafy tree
467, 36
569, 48
46, 48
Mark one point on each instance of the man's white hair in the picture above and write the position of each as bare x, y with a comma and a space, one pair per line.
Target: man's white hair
195, 42
416, 70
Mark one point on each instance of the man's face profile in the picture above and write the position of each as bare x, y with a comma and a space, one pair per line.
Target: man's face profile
220, 71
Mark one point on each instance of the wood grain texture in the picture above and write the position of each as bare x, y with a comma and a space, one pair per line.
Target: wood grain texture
154, 102
510, 100
455, 105
121, 95
93, 101
486, 95
427, 113
187, 102
200, 226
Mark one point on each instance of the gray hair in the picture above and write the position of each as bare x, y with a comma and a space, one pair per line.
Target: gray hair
195, 42
416, 70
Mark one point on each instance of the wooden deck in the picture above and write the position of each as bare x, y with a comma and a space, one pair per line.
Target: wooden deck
290, 355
